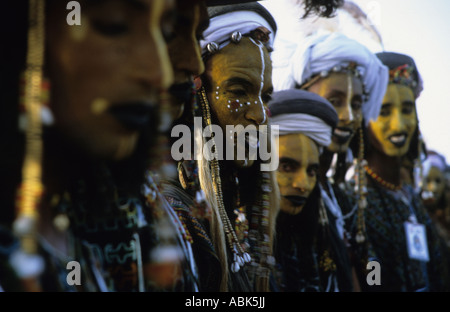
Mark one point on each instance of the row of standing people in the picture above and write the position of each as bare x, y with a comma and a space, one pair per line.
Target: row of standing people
115, 202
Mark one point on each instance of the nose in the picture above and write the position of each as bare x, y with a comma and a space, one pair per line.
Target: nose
152, 67
346, 113
256, 112
397, 123
302, 182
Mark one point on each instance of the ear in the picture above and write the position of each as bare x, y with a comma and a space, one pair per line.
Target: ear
198, 83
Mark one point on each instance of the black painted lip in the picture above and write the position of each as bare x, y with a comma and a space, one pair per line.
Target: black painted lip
296, 200
134, 115
342, 139
400, 143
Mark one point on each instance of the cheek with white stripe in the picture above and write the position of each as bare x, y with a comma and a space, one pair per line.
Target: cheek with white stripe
263, 69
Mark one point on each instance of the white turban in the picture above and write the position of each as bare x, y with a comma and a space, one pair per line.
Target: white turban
322, 52
222, 26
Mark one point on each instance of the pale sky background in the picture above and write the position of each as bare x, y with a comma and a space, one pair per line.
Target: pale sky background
420, 29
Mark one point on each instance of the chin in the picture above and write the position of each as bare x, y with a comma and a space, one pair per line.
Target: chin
396, 152
289, 209
338, 148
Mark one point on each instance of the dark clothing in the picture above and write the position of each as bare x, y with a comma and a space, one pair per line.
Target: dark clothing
386, 243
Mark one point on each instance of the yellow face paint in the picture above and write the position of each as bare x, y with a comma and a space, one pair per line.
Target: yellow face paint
434, 182
240, 80
394, 128
297, 171
345, 92
117, 56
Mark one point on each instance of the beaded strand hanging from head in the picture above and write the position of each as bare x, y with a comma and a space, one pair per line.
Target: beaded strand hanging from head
251, 21
31, 189
351, 69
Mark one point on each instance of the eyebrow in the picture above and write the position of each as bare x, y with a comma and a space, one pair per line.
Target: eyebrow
239, 81
334, 92
289, 160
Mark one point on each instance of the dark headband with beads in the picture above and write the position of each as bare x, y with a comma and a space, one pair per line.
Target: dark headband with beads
350, 67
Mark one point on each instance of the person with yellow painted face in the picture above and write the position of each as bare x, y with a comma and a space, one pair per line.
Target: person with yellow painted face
433, 191
399, 233
305, 121
80, 134
232, 92
353, 80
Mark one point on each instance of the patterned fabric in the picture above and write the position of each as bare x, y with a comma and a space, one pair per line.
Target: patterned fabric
296, 269
121, 245
386, 243
196, 227
334, 262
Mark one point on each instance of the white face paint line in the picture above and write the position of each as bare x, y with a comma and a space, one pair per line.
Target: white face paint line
350, 95
263, 65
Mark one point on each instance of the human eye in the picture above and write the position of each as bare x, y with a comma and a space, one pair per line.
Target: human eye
356, 104
335, 101
312, 170
385, 111
286, 167
238, 92
266, 97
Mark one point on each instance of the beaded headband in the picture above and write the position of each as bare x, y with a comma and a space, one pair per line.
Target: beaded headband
351, 68
403, 75
261, 33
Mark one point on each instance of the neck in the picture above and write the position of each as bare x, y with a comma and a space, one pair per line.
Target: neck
387, 167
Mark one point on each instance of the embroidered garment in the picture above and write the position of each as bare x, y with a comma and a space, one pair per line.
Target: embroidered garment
386, 243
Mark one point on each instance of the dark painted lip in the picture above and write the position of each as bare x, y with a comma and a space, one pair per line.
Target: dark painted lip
296, 200
398, 143
133, 115
342, 139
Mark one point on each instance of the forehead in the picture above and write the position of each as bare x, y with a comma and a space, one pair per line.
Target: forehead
338, 82
297, 146
243, 59
435, 172
397, 93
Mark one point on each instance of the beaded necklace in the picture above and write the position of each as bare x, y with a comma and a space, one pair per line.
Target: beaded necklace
381, 181
258, 229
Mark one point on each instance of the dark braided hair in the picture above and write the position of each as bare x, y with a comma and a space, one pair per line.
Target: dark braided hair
322, 8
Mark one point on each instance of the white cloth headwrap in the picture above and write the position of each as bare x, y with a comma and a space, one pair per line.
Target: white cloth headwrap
325, 50
311, 126
222, 26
